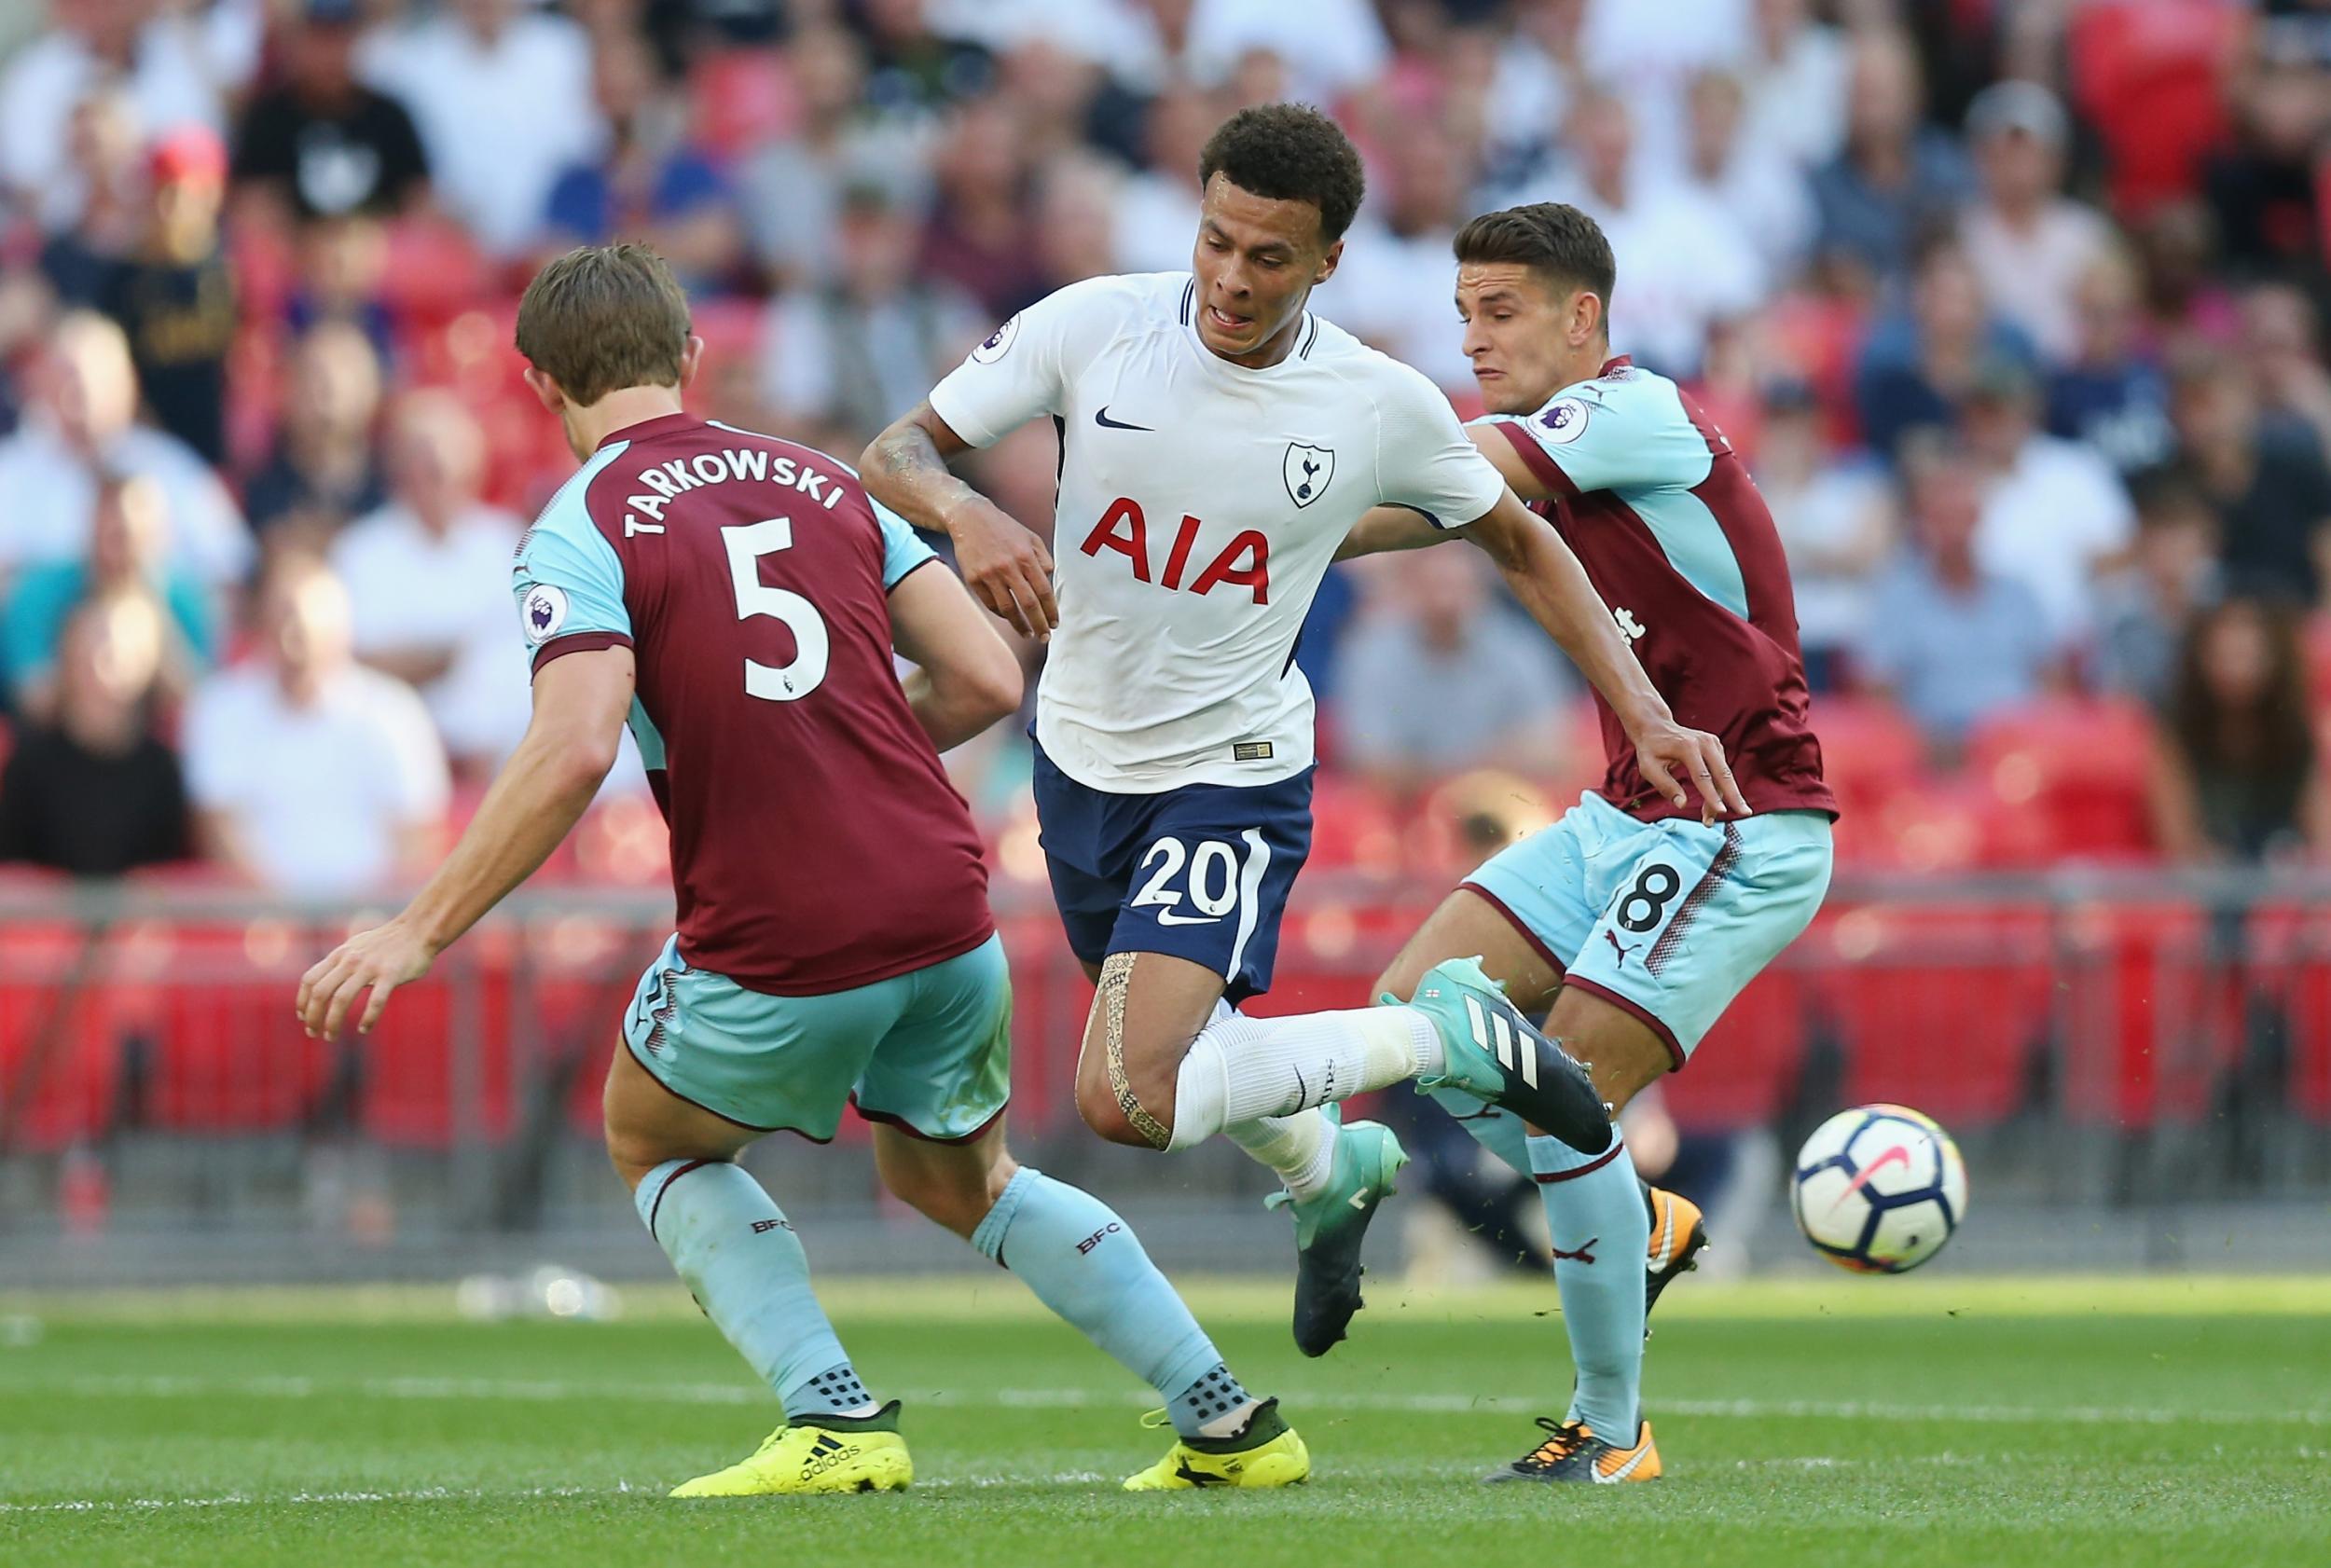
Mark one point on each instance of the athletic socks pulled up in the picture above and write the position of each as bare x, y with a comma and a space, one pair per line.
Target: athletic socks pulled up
1086, 1264
1600, 1231
1241, 1070
737, 1251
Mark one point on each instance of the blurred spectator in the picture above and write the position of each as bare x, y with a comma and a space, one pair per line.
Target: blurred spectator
174, 296
1897, 176
1918, 366
428, 581
2281, 342
1653, 53
1538, 68
1755, 183
501, 94
2144, 610
1156, 227
1393, 285
1075, 194
1949, 639
320, 144
96, 793
2267, 478
323, 471
2298, 31
2185, 289
977, 236
846, 358
82, 422
1051, 92
910, 68
1686, 265
2235, 772
2028, 244
2266, 190
157, 56
650, 182
2054, 512
1325, 46
2111, 396
1836, 520
128, 557
108, 159
1437, 679
793, 187
311, 774
343, 277
1798, 72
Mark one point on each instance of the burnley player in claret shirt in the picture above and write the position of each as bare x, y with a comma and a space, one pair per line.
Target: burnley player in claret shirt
738, 601
1637, 920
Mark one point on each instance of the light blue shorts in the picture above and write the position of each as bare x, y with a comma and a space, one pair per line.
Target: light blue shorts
929, 1051
1669, 920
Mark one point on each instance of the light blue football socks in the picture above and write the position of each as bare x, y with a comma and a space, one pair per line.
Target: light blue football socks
1600, 1231
737, 1251
1088, 1267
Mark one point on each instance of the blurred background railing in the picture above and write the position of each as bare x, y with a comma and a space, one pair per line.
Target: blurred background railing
2138, 1065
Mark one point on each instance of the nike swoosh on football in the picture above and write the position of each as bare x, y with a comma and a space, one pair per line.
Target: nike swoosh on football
1897, 1155
1101, 419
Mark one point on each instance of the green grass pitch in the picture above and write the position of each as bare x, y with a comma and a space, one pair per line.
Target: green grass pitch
1974, 1423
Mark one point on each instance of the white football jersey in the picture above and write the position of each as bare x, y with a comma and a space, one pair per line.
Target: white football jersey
1200, 504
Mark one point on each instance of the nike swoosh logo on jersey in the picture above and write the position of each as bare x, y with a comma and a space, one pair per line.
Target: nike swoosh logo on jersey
1102, 419
1168, 917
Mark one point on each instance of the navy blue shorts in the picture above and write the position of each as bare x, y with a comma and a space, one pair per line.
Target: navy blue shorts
1202, 871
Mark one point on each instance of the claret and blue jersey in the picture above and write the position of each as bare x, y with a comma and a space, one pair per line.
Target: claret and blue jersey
1673, 534
817, 843
1632, 898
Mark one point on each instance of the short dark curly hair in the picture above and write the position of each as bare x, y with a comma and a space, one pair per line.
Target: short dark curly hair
1552, 238
1289, 152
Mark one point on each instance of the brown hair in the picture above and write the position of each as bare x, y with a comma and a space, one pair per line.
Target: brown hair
2270, 737
602, 318
1552, 238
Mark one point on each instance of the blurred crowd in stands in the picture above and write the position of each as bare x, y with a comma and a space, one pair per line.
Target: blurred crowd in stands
2016, 307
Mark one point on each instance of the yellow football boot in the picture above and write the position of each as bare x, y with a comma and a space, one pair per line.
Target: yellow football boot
803, 1458
1267, 1453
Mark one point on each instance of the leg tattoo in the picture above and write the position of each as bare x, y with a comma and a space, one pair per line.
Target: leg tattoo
1116, 977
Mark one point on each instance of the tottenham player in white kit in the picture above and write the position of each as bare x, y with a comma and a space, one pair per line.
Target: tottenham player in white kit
1218, 443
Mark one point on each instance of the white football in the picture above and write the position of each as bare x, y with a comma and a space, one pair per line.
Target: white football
1879, 1188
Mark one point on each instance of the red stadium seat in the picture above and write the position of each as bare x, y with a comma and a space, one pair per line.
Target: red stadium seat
1353, 825
1743, 1071
1870, 752
2072, 778
1940, 1007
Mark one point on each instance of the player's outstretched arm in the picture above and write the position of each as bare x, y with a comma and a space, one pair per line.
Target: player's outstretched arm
1004, 564
1553, 588
966, 676
580, 704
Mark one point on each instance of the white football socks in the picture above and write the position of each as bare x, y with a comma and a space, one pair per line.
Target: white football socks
1240, 1069
1301, 1147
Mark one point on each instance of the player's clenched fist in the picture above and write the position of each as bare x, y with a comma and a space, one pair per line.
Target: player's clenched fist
381, 959
1671, 756
1006, 566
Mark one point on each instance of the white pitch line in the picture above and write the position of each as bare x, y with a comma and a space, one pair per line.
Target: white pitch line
473, 1494
553, 1391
